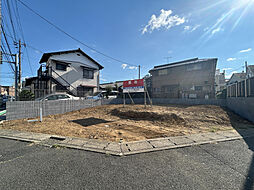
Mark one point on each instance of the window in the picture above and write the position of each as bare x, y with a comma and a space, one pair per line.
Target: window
156, 89
194, 67
162, 72
87, 73
53, 97
84, 91
62, 96
198, 88
61, 67
60, 88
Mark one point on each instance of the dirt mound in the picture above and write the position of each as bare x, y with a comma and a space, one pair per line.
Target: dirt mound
149, 116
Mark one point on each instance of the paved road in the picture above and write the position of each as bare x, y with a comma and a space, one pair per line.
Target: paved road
226, 165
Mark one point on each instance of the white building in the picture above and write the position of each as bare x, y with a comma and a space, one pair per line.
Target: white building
250, 71
71, 71
220, 81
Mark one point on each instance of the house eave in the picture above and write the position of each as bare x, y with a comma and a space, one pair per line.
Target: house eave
46, 56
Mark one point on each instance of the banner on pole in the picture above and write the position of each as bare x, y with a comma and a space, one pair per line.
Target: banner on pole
132, 86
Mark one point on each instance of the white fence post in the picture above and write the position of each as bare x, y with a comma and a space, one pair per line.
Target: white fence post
236, 90
245, 93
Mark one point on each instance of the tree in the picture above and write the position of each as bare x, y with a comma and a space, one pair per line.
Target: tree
108, 90
116, 87
26, 95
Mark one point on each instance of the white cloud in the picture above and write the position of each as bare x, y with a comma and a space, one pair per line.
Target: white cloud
231, 59
165, 20
230, 74
104, 80
216, 30
132, 67
206, 29
124, 66
24, 78
245, 50
191, 28
195, 27
187, 28
227, 69
170, 51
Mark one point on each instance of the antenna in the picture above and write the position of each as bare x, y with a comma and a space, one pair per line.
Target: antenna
167, 59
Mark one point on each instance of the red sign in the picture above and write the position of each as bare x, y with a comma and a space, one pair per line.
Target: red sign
133, 85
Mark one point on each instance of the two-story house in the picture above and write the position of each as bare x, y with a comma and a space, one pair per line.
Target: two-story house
71, 71
250, 71
193, 78
237, 77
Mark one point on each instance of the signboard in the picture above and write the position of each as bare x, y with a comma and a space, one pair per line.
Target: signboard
133, 86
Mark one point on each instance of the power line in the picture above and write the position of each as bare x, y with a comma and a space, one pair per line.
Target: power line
28, 45
22, 35
11, 20
72, 37
4, 53
4, 23
34, 48
6, 41
16, 13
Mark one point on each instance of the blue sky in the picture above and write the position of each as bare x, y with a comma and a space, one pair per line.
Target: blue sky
139, 32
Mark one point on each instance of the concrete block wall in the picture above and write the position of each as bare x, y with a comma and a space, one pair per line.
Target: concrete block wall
242, 106
31, 109
219, 102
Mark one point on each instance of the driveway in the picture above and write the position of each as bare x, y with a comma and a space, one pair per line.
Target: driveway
225, 165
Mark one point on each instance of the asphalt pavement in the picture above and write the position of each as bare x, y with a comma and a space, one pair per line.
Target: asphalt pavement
224, 165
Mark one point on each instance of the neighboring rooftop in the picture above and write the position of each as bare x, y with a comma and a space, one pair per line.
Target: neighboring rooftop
46, 56
236, 77
179, 63
120, 81
251, 67
239, 75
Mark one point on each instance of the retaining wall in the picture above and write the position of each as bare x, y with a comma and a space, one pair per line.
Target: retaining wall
31, 109
219, 102
242, 106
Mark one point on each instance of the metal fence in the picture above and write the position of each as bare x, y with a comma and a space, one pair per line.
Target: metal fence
31, 109
244, 88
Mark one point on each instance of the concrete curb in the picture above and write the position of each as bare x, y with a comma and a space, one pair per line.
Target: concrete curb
126, 148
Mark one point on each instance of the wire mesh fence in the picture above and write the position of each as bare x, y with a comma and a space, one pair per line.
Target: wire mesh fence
32, 109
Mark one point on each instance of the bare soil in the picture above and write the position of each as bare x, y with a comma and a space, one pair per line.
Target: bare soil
134, 122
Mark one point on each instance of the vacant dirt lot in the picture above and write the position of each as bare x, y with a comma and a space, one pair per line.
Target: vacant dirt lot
134, 122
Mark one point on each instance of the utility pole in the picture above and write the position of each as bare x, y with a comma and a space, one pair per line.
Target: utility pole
1, 56
0, 24
16, 71
139, 72
246, 66
167, 59
16, 77
19, 63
